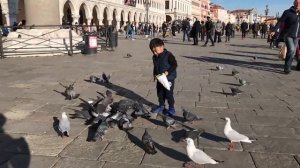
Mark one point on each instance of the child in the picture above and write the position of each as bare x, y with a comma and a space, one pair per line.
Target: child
164, 62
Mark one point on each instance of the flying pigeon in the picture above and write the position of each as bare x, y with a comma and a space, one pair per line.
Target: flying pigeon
148, 142
106, 78
233, 135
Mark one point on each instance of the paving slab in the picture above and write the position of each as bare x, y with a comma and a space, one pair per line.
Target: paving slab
265, 160
77, 163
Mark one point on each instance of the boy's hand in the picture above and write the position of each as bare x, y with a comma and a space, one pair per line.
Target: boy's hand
166, 73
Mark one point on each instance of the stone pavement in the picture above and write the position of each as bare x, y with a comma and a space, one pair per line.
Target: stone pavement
268, 110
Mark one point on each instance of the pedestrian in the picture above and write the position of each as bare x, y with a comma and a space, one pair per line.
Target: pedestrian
173, 28
291, 20
264, 28
164, 29
244, 28
218, 31
195, 31
164, 63
228, 31
202, 31
186, 29
255, 29
209, 29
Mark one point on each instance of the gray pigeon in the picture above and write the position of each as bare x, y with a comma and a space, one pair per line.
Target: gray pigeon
125, 124
242, 82
70, 91
64, 125
189, 116
101, 131
219, 68
106, 78
92, 106
148, 142
234, 72
139, 110
235, 91
170, 122
108, 99
93, 79
83, 115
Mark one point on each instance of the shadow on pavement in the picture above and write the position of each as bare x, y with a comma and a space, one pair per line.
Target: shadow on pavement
129, 94
172, 153
245, 64
14, 152
260, 53
247, 56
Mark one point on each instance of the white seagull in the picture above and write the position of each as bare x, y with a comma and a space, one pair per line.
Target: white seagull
197, 155
233, 135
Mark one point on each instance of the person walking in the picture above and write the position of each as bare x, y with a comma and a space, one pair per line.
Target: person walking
264, 29
228, 31
164, 29
186, 29
255, 29
291, 20
244, 28
195, 31
202, 31
218, 31
209, 29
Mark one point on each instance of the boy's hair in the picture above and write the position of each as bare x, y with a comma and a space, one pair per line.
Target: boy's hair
156, 42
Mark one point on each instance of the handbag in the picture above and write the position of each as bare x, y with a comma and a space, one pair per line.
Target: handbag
282, 52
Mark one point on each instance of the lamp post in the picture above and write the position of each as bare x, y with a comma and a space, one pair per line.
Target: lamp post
267, 10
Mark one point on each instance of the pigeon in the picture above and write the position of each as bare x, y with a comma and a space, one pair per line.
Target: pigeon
242, 82
235, 91
92, 106
148, 142
125, 124
128, 55
113, 123
101, 131
189, 116
170, 122
104, 106
234, 72
93, 79
19, 36
139, 110
70, 91
197, 155
193, 134
64, 125
219, 68
106, 78
233, 135
83, 114
254, 58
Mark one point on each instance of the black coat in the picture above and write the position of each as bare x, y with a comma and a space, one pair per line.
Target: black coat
291, 20
244, 26
197, 26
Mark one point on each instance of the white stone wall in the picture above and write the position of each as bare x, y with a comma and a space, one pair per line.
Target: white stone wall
180, 9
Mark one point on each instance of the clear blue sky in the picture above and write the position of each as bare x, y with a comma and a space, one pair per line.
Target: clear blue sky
260, 5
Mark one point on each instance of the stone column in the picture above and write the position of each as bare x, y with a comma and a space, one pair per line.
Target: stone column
75, 19
109, 22
42, 12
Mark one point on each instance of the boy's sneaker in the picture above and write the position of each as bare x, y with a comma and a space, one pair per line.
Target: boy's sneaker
159, 109
171, 111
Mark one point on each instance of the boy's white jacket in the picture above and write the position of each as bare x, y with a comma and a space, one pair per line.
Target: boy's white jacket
162, 78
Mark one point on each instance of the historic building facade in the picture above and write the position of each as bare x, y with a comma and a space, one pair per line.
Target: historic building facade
90, 12
178, 9
196, 9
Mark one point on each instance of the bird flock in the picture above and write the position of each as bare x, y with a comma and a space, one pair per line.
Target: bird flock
104, 113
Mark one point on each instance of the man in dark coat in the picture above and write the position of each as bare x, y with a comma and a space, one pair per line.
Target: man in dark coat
228, 31
244, 28
209, 30
264, 28
291, 20
195, 31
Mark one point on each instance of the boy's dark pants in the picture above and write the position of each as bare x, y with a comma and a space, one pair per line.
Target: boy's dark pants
163, 94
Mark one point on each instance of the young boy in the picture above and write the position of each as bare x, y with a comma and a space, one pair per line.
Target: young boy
164, 62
